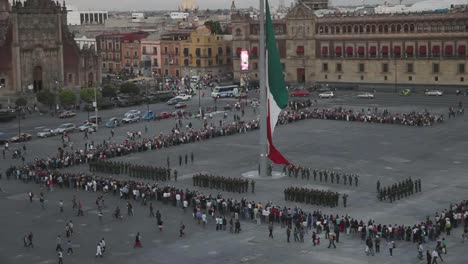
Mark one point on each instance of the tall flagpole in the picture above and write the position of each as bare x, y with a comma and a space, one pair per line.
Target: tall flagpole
263, 95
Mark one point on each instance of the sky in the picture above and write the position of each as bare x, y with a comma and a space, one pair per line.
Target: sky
130, 5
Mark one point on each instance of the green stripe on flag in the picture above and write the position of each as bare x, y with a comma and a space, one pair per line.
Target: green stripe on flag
275, 71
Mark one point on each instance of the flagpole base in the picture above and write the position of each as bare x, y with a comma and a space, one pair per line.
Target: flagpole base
275, 175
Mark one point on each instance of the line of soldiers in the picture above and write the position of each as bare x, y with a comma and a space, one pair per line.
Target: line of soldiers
321, 175
133, 170
313, 196
398, 190
223, 183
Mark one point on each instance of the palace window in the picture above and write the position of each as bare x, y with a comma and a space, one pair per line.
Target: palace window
361, 67
385, 67
435, 68
461, 68
409, 68
325, 67
339, 67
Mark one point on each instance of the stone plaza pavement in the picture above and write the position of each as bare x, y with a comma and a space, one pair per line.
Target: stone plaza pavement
388, 153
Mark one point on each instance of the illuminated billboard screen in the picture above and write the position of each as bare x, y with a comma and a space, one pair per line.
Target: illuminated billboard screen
244, 60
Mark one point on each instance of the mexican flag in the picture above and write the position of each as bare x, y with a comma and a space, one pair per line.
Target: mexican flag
277, 95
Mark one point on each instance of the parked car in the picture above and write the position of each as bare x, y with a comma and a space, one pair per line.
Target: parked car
113, 122
21, 138
184, 97
65, 128
300, 93
163, 115
365, 95
329, 94
180, 105
133, 112
92, 119
405, 92
434, 93
46, 132
174, 101
131, 119
149, 115
67, 114
88, 127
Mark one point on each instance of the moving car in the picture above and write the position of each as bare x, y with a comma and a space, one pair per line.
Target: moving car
46, 132
88, 127
300, 93
180, 105
329, 94
113, 122
67, 114
163, 115
149, 115
434, 93
92, 119
133, 112
365, 95
405, 92
131, 119
184, 97
21, 138
65, 128
174, 101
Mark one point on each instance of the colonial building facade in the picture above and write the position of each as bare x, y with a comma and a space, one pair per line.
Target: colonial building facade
37, 51
427, 50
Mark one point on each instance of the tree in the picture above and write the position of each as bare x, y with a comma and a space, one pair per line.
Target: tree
108, 91
21, 101
46, 97
67, 97
87, 94
214, 26
129, 88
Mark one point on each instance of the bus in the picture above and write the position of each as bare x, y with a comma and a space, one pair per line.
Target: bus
225, 91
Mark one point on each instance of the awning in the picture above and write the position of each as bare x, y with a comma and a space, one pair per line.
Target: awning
448, 50
300, 49
385, 50
349, 51
338, 50
436, 50
397, 50
461, 50
325, 51
373, 50
409, 50
422, 50
361, 50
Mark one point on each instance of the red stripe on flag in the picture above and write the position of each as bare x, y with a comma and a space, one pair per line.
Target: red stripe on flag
273, 153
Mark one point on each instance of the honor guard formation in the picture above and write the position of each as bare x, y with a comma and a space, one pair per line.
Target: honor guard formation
227, 184
321, 175
136, 171
398, 190
313, 196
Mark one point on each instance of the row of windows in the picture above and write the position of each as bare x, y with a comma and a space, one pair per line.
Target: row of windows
385, 68
110, 46
392, 28
385, 78
372, 51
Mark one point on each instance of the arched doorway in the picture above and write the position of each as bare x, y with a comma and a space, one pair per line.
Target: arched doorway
37, 79
90, 79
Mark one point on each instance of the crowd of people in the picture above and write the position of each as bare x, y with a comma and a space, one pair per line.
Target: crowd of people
398, 190
227, 184
321, 175
313, 196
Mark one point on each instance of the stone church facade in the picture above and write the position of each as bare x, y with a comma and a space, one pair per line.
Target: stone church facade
37, 51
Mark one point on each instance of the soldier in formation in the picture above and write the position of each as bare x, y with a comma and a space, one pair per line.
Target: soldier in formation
399, 190
227, 184
312, 196
133, 170
320, 175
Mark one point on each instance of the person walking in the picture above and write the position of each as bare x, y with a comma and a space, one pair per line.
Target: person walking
377, 244
103, 245
435, 255
30, 240
420, 251
314, 238
61, 206
60, 257
69, 247
428, 257
151, 209
80, 209
191, 157
270, 229
42, 200
59, 244
180, 160
137, 241
331, 239
98, 250
182, 229
30, 195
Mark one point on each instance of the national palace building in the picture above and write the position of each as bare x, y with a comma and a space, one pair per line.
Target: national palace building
416, 50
